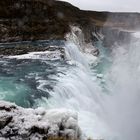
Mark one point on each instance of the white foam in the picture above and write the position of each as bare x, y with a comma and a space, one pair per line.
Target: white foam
136, 34
46, 55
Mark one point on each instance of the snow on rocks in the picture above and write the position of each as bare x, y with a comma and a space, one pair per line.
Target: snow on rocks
100, 76
46, 55
37, 124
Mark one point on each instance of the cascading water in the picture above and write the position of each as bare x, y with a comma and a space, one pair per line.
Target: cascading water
78, 88
111, 114
104, 91
122, 106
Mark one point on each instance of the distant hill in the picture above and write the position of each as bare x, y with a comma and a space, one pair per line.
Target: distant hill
50, 19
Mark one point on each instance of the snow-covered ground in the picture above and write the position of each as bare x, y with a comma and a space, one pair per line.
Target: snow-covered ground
35, 124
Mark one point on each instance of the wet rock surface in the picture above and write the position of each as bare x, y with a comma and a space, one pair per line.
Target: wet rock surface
24, 49
37, 124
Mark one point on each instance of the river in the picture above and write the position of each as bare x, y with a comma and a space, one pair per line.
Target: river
103, 90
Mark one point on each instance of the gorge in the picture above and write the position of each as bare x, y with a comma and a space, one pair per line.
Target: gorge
72, 74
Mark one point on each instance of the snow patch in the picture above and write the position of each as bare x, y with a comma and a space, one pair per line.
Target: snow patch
19, 123
46, 55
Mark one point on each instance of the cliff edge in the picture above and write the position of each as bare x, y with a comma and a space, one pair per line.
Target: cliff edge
22, 20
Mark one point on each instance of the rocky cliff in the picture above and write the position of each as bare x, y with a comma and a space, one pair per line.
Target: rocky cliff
49, 19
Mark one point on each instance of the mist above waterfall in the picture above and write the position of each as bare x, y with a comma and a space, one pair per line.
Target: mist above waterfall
122, 104
118, 108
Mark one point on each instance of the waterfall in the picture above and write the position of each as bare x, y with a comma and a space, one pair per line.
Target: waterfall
103, 90
113, 114
78, 89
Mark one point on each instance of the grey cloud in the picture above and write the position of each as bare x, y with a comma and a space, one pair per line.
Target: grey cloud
108, 5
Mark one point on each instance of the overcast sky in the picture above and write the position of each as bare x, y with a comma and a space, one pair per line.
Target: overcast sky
108, 5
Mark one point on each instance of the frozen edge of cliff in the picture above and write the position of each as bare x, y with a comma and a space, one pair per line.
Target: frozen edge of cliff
37, 124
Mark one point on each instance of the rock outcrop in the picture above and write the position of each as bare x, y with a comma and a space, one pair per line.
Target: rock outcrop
50, 19
17, 123
25, 49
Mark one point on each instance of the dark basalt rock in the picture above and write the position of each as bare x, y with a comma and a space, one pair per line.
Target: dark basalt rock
50, 19
24, 49
7, 108
31, 20
4, 120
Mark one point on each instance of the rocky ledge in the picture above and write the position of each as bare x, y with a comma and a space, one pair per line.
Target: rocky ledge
53, 52
17, 123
